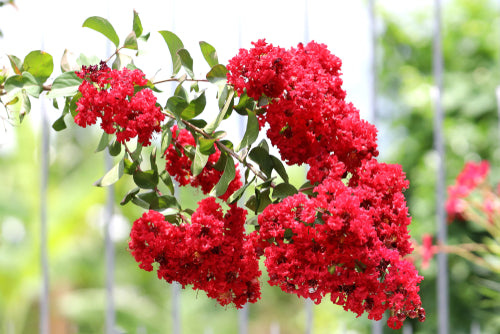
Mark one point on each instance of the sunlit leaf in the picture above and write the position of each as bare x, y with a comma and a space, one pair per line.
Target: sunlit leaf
209, 54
131, 41
40, 64
103, 26
174, 45
65, 85
186, 61
113, 175
251, 132
226, 177
137, 25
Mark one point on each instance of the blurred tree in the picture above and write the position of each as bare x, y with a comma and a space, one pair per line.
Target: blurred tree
471, 56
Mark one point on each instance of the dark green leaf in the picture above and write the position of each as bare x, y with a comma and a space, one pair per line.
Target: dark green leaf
137, 25
167, 181
114, 148
166, 202
244, 103
113, 175
65, 85
152, 160
176, 105
166, 138
278, 166
174, 45
186, 61
146, 179
216, 122
59, 124
199, 123
131, 194
136, 155
195, 107
103, 26
251, 132
284, 190
226, 178
72, 103
261, 157
40, 64
140, 202
209, 54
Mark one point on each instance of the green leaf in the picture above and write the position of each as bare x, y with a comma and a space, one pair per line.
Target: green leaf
87, 60
226, 178
114, 148
244, 103
209, 54
137, 25
259, 201
26, 81
131, 41
146, 179
216, 122
238, 193
130, 167
218, 75
103, 26
65, 85
166, 202
131, 194
59, 124
186, 61
121, 61
166, 138
16, 64
261, 157
195, 107
68, 62
176, 105
25, 106
278, 166
206, 145
174, 45
167, 181
40, 64
199, 162
284, 190
181, 92
113, 175
251, 132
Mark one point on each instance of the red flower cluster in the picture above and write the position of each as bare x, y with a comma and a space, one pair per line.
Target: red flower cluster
179, 165
349, 242
471, 176
307, 115
110, 95
212, 253
350, 239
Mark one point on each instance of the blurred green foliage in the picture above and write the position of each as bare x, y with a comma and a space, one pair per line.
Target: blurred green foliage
471, 71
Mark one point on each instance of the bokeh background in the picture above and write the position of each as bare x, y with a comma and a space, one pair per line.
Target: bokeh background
75, 208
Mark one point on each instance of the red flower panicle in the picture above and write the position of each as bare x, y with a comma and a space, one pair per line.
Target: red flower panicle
109, 95
347, 241
179, 165
471, 176
307, 114
212, 253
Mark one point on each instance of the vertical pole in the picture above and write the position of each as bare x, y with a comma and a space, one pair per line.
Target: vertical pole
377, 326
109, 253
309, 316
243, 320
44, 300
109, 250
442, 277
176, 314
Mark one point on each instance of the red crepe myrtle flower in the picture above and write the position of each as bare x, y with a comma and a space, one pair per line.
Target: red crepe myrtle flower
179, 165
110, 95
212, 253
